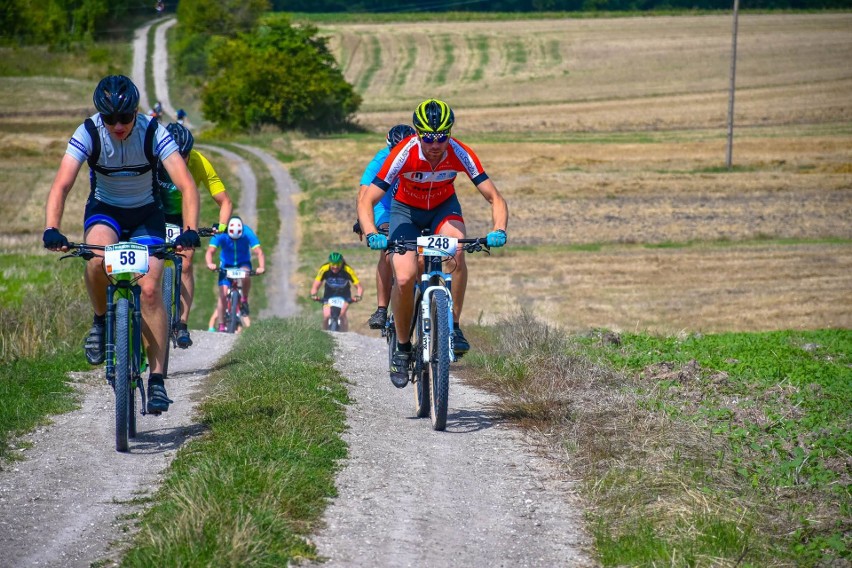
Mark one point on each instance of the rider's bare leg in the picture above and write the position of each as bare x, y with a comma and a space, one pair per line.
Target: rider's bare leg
326, 313
95, 277
457, 229
154, 326
402, 295
187, 287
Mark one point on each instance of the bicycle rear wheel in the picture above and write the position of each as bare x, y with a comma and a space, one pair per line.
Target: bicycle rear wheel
439, 359
232, 318
421, 374
123, 394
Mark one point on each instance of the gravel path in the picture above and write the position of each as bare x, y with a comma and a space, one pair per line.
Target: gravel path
475, 495
62, 505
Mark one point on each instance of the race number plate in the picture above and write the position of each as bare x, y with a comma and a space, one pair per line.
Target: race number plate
172, 232
126, 257
437, 245
336, 302
235, 273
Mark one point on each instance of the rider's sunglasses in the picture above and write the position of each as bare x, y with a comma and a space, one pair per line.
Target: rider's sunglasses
432, 137
336, 266
122, 117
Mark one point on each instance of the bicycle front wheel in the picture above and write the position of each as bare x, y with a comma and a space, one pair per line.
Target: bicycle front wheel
439, 359
123, 393
169, 305
232, 318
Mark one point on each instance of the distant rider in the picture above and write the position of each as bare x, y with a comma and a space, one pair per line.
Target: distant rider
235, 246
338, 278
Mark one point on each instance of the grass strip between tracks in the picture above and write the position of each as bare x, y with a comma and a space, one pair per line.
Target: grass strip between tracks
248, 491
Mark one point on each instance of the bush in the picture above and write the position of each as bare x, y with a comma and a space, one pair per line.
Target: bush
279, 75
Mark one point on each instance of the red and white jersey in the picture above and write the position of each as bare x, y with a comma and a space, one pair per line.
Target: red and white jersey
420, 185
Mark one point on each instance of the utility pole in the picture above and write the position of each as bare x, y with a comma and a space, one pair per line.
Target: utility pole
730, 152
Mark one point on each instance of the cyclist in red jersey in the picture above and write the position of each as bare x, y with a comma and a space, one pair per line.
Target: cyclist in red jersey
426, 165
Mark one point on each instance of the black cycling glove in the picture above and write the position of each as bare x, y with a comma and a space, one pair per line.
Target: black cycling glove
188, 239
356, 228
53, 239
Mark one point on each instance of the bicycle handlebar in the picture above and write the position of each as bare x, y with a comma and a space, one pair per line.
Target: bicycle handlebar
86, 250
401, 246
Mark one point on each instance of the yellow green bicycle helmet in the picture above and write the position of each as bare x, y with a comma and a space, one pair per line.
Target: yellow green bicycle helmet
335, 258
433, 115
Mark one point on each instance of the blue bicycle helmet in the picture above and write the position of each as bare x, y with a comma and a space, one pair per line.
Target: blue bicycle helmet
398, 133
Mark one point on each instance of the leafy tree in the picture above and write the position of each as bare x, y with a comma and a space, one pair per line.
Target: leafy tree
203, 21
281, 75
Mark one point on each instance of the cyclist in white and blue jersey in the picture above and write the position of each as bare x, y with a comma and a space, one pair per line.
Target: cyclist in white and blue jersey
235, 247
122, 147
381, 211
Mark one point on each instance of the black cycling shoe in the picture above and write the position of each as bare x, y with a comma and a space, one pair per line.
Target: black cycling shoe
244, 309
95, 347
158, 400
183, 338
460, 344
399, 368
378, 319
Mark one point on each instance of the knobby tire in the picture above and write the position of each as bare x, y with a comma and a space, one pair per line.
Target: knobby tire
233, 315
122, 374
421, 373
169, 305
439, 359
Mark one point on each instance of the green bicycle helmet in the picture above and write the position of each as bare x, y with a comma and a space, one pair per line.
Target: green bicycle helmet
335, 258
433, 115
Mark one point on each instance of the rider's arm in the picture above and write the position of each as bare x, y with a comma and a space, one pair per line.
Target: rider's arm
62, 184
204, 174
177, 170
261, 259
366, 202
208, 257
499, 207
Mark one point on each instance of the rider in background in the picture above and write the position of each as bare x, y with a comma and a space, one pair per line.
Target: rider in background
204, 176
337, 276
381, 214
235, 248
426, 166
122, 147
157, 112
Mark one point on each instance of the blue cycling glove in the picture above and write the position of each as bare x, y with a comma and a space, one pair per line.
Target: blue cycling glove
377, 241
496, 238
53, 239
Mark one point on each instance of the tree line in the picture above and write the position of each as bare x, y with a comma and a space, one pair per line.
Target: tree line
390, 6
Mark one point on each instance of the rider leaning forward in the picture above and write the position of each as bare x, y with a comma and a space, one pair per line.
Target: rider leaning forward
425, 165
204, 176
122, 147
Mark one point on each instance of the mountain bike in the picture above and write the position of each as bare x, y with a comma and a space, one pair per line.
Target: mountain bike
172, 270
124, 264
234, 296
337, 303
432, 324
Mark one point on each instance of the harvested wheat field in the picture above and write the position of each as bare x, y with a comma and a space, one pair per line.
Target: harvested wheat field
608, 138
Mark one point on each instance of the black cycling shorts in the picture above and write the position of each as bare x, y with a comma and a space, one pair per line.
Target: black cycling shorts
408, 222
145, 224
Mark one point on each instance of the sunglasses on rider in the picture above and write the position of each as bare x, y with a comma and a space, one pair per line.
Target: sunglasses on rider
122, 117
432, 137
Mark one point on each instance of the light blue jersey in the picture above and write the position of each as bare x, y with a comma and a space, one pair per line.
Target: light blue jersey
381, 211
235, 253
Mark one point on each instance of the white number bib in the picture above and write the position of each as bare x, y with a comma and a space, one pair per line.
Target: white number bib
437, 245
126, 257
336, 302
235, 273
172, 232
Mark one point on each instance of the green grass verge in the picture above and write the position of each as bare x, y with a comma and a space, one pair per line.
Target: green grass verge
706, 450
249, 491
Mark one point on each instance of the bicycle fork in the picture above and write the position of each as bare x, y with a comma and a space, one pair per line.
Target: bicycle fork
124, 288
426, 313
